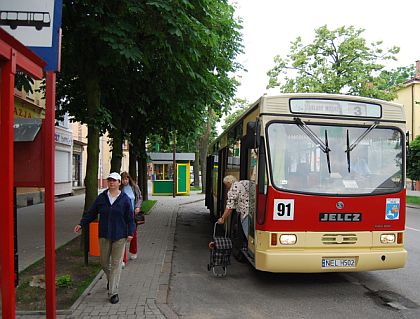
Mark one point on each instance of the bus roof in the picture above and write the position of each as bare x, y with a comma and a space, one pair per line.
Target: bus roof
264, 102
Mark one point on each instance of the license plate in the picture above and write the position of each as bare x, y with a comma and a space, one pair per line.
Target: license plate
338, 262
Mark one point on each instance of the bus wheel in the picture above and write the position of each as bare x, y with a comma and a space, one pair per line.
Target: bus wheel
237, 238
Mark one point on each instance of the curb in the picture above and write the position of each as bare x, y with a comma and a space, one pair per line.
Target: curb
24, 313
165, 273
413, 206
188, 203
87, 291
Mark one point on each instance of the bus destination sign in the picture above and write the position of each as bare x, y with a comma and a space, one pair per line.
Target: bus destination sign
335, 107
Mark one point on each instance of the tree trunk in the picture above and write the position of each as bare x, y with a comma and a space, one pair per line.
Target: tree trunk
132, 162
92, 166
142, 166
203, 156
143, 177
117, 147
93, 93
204, 142
196, 167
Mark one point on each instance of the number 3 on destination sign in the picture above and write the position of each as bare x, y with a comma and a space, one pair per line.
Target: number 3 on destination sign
284, 209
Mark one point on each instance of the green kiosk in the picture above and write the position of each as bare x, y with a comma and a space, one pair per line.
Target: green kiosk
163, 173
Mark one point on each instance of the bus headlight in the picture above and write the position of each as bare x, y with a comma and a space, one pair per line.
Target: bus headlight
288, 239
388, 238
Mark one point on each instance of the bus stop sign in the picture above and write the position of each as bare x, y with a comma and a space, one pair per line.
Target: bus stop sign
36, 24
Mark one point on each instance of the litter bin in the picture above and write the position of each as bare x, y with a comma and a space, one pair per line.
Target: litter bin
94, 239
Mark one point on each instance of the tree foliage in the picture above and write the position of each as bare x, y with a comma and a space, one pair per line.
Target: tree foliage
136, 68
337, 61
239, 107
98, 36
396, 77
413, 163
24, 81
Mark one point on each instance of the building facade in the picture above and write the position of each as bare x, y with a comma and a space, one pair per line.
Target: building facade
409, 96
79, 158
105, 156
32, 105
80, 142
63, 158
70, 150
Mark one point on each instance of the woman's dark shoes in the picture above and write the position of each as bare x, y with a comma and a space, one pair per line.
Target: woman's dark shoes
114, 299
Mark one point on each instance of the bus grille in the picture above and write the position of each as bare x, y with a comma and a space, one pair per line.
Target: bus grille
339, 239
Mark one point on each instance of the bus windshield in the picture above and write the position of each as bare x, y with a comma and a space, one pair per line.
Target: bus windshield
357, 161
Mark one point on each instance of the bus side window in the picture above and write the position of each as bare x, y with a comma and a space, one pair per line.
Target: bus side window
252, 164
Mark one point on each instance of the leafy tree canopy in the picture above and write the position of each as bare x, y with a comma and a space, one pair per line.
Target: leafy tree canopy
337, 61
239, 107
159, 63
395, 77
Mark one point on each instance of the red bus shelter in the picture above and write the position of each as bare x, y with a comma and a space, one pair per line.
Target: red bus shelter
15, 56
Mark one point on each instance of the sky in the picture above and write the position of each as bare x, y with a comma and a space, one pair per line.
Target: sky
269, 26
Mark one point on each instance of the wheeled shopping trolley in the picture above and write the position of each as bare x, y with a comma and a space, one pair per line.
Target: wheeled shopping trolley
220, 250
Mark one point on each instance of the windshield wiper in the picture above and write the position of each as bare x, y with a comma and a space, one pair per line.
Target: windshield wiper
314, 138
348, 151
361, 137
328, 152
356, 142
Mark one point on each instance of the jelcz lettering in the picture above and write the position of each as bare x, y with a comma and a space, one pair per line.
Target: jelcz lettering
340, 217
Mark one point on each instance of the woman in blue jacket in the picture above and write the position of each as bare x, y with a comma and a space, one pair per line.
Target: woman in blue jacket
116, 227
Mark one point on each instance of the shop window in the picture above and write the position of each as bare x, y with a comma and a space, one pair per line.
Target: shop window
163, 171
76, 170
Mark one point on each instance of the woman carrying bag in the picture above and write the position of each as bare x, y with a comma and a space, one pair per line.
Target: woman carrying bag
130, 188
116, 227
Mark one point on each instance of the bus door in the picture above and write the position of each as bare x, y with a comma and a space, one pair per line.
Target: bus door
252, 160
248, 171
221, 192
209, 184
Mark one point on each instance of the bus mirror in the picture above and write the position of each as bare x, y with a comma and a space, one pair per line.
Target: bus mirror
407, 144
252, 134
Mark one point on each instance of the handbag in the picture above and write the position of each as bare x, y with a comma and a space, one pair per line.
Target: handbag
139, 218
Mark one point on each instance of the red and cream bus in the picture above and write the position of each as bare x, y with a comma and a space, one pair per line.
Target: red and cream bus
328, 182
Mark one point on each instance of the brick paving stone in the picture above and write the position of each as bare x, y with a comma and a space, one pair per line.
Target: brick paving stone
145, 280
142, 278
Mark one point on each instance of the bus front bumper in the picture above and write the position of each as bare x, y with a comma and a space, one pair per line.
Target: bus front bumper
322, 261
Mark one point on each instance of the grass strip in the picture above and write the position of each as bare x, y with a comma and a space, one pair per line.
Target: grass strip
147, 205
413, 200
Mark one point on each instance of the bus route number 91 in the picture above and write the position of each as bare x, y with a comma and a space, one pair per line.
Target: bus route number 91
284, 209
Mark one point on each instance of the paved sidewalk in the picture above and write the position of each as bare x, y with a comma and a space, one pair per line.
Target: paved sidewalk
31, 219
413, 193
144, 282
